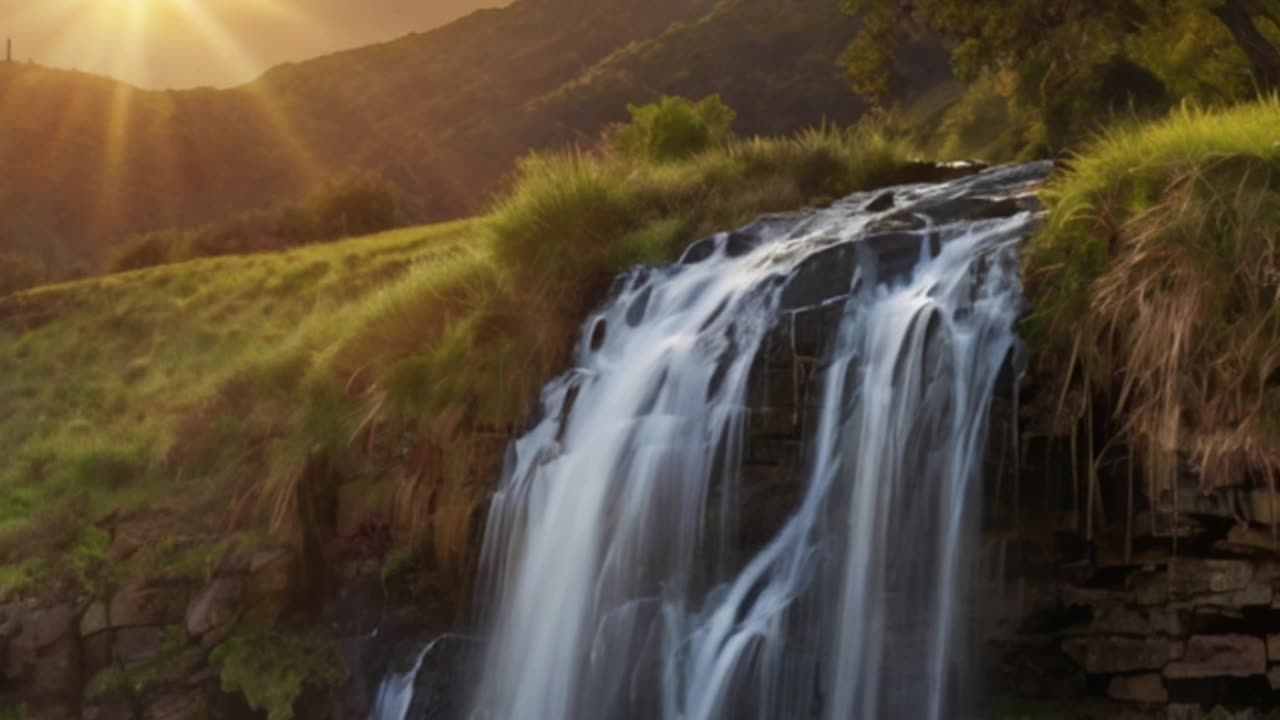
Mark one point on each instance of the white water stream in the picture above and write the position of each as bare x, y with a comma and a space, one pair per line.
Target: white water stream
617, 586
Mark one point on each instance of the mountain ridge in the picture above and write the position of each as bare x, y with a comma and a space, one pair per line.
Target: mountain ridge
442, 114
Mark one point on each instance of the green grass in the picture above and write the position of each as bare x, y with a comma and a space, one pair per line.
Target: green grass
1155, 290
233, 393
98, 378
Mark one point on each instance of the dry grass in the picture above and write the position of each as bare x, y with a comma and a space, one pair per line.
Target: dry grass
1157, 289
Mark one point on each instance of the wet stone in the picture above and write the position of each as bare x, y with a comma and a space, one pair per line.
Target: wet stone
740, 243
1108, 655
1210, 656
822, 277
699, 251
884, 201
636, 311
1147, 688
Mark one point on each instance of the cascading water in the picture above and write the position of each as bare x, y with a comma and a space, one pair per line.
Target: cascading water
619, 585
395, 694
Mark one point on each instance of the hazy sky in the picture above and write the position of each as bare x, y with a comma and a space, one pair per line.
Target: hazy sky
183, 43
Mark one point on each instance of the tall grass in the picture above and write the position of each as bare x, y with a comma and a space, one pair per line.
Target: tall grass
261, 383
1157, 292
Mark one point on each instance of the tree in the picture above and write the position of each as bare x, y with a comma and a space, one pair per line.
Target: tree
1050, 40
1240, 18
356, 203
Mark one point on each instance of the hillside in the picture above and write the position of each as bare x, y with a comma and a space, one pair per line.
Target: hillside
85, 161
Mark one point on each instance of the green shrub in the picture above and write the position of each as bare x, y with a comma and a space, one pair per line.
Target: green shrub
675, 128
354, 203
271, 669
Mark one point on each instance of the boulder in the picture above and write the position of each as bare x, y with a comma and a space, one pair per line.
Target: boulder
1106, 655
1121, 620
43, 658
1188, 579
217, 607
270, 585
94, 619
1147, 688
147, 606
46, 626
137, 645
1248, 539
1210, 656
821, 278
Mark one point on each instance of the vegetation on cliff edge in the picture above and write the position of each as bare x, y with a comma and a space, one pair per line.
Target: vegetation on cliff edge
1157, 293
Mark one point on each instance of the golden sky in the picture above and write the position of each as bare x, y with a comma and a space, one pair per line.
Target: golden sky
185, 43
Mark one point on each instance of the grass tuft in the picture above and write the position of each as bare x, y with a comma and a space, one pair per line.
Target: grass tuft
1157, 289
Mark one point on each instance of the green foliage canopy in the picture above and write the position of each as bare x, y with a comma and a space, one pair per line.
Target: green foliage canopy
1063, 65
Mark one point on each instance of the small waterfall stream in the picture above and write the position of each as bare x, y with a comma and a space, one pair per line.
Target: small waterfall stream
617, 583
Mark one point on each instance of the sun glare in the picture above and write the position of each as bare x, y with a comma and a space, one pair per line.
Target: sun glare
140, 41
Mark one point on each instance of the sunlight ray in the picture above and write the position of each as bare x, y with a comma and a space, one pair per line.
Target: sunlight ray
306, 164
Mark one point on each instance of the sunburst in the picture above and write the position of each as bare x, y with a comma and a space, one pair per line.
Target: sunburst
127, 39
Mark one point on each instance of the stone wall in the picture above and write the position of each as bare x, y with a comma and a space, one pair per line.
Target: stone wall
144, 651
1167, 608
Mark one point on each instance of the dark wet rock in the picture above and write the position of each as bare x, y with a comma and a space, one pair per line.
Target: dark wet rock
1186, 579
928, 172
898, 222
821, 278
1145, 688
639, 306
1210, 656
441, 686
1108, 655
884, 201
739, 243
891, 256
699, 251
971, 208
147, 606
599, 334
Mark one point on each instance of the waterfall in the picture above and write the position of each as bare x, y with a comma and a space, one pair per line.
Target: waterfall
395, 694
618, 581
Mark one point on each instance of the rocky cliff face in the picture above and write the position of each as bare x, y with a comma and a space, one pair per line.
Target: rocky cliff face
1169, 608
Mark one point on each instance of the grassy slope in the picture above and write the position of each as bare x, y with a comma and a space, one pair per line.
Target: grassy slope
97, 375
1157, 291
232, 393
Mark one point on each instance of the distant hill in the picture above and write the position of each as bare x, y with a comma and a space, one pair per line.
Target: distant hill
443, 114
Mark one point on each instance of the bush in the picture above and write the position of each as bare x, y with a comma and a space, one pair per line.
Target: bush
355, 203
675, 128
271, 669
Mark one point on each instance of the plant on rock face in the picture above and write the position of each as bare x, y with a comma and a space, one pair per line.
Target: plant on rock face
271, 668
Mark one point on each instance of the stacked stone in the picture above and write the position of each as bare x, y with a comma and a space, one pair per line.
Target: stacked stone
67, 659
